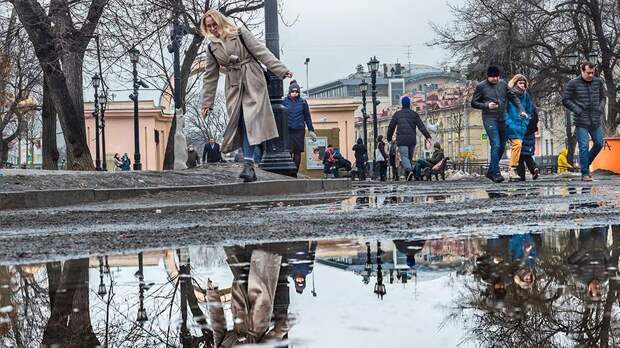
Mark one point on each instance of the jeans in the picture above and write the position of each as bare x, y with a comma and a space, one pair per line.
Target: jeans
251, 153
586, 157
419, 165
406, 156
496, 131
382, 168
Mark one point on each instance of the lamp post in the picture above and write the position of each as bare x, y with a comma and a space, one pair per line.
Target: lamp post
277, 158
103, 104
379, 286
363, 89
573, 62
373, 67
96, 81
307, 64
134, 55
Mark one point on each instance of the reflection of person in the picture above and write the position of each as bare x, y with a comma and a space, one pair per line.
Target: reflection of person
247, 99
410, 248
589, 264
298, 119
256, 275
495, 269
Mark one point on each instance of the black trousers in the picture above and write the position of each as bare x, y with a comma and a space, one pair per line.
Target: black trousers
523, 161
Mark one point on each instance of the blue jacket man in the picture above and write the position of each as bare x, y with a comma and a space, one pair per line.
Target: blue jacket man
298, 119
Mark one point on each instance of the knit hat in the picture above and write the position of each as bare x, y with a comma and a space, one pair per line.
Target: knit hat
493, 71
294, 86
406, 102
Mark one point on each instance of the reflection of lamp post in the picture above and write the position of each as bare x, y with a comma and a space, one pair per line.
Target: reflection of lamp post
379, 286
363, 90
142, 317
102, 289
368, 267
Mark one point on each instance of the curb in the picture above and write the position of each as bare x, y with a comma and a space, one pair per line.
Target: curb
58, 198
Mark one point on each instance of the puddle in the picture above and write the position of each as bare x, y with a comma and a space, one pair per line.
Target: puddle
559, 288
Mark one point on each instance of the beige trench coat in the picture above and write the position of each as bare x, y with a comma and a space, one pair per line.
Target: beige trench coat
246, 88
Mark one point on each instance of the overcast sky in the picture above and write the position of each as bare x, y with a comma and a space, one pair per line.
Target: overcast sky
339, 34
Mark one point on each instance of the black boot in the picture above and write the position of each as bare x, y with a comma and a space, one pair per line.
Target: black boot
248, 174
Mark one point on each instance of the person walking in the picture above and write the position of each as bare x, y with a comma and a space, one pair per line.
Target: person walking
211, 152
585, 97
380, 158
298, 119
394, 159
517, 123
491, 96
404, 122
361, 158
528, 149
192, 157
240, 55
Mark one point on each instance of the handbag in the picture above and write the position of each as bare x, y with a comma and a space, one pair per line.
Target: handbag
265, 71
379, 156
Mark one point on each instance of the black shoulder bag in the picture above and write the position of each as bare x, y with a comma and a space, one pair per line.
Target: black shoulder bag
265, 72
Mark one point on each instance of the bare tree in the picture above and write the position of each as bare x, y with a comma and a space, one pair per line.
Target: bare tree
199, 130
536, 38
60, 37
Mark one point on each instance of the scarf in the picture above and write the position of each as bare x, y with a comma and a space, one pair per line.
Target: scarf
518, 91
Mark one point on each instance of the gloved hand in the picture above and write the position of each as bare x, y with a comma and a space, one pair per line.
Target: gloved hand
312, 135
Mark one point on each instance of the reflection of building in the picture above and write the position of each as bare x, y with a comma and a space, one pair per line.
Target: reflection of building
154, 130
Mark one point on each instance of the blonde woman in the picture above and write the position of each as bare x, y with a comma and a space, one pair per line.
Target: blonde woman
237, 53
516, 122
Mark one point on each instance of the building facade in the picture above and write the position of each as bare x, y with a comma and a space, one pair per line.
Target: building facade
119, 131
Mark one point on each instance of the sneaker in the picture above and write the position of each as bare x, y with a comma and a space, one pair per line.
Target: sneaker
512, 175
536, 173
586, 178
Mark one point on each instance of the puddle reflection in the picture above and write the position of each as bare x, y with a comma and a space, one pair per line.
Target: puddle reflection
553, 289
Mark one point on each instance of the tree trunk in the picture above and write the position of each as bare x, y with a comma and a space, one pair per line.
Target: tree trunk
4, 153
48, 115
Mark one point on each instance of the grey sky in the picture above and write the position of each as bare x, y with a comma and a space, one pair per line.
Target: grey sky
339, 34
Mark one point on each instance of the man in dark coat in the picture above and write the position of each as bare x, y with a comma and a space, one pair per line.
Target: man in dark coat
298, 119
492, 96
192, 157
361, 156
429, 163
211, 152
585, 97
405, 122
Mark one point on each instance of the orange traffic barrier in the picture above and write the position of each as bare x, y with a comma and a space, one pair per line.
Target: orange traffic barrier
609, 157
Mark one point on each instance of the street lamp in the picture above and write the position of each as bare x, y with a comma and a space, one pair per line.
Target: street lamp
573, 60
307, 64
103, 104
134, 55
277, 158
373, 67
379, 286
593, 56
363, 89
96, 83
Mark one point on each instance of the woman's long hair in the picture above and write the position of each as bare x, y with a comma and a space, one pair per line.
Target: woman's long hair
227, 27
517, 78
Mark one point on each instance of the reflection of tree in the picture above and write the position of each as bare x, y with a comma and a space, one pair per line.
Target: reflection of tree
69, 324
553, 313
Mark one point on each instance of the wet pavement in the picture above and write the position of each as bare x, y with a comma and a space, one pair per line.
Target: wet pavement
556, 288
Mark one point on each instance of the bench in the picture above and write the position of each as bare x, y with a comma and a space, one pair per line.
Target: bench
437, 170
